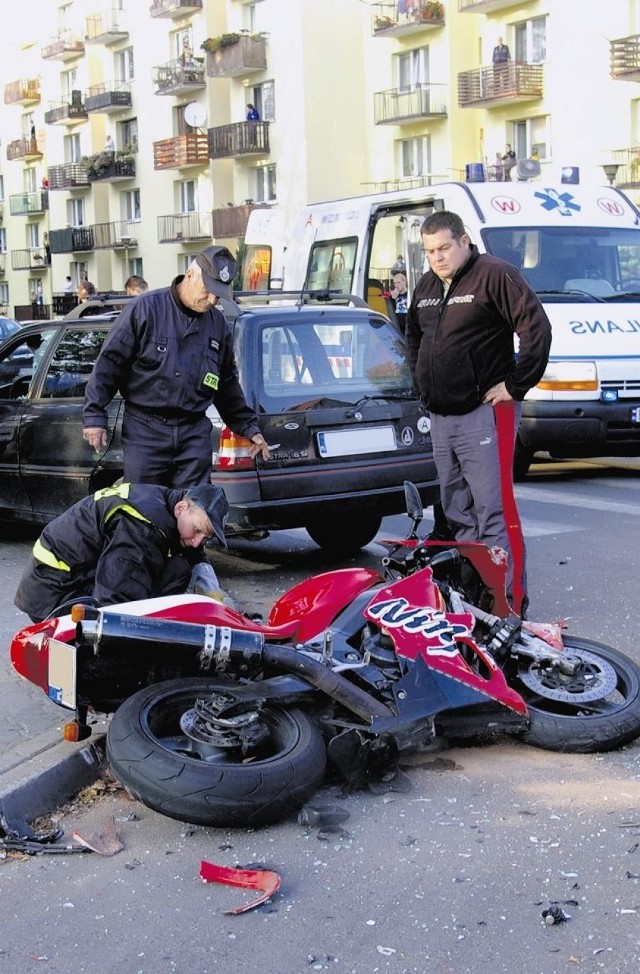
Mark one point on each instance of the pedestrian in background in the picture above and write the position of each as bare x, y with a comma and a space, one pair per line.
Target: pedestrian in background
500, 59
460, 347
135, 284
253, 115
86, 291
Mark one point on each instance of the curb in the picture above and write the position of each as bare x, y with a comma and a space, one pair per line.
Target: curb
52, 774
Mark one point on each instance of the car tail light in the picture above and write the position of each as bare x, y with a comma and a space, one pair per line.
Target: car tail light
30, 653
233, 451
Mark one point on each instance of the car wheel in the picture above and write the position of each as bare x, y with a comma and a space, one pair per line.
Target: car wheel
344, 535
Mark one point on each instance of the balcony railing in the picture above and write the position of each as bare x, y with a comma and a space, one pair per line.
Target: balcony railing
24, 92
396, 19
121, 235
625, 58
628, 174
231, 221
66, 111
71, 240
105, 27
514, 81
21, 204
409, 104
184, 227
23, 149
179, 76
108, 168
238, 139
181, 151
28, 260
245, 56
64, 303
488, 6
31, 312
70, 175
109, 97
174, 8
64, 47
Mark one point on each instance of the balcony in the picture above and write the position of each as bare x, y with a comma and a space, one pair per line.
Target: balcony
488, 6
409, 104
70, 175
107, 98
104, 27
64, 303
24, 92
238, 139
26, 149
32, 312
184, 227
29, 260
394, 20
71, 240
239, 55
625, 58
121, 235
63, 47
181, 152
66, 112
628, 175
22, 204
104, 167
231, 221
515, 81
179, 76
174, 8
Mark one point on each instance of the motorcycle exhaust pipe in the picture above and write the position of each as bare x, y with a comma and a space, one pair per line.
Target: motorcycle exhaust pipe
218, 646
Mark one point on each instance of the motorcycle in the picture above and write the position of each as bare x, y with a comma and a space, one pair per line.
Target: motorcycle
219, 719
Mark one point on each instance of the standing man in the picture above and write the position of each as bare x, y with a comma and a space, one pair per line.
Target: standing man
135, 285
170, 354
500, 58
460, 347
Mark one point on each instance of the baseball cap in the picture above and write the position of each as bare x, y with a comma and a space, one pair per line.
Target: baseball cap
215, 505
218, 267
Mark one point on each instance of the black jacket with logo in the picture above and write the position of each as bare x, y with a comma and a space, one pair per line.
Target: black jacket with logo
459, 346
166, 360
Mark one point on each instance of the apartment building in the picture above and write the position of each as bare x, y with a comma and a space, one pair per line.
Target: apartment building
125, 146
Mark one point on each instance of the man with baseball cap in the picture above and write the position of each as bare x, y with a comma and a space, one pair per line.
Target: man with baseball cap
170, 355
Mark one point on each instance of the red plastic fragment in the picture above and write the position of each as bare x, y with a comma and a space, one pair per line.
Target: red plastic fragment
267, 881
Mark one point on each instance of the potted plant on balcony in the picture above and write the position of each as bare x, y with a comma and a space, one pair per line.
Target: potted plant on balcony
214, 44
430, 10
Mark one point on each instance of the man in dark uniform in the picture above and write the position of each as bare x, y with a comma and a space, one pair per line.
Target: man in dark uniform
121, 544
170, 354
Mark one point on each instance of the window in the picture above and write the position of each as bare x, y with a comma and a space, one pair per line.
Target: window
531, 40
29, 180
412, 68
1, 187
414, 156
123, 65
72, 363
263, 97
79, 270
75, 212
130, 204
4, 295
187, 196
72, 150
68, 83
264, 179
331, 265
182, 44
531, 136
3, 240
128, 134
251, 18
33, 235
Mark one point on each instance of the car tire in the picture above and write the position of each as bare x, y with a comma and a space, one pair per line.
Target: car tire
344, 535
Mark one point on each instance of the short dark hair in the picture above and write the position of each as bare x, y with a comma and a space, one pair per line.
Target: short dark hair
444, 220
136, 283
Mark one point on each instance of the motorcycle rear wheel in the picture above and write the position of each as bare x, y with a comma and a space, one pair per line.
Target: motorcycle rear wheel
603, 724
155, 761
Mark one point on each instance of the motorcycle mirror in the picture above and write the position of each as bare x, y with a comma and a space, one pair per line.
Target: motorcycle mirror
413, 503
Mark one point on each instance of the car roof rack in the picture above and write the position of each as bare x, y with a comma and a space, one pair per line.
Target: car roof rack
242, 300
100, 302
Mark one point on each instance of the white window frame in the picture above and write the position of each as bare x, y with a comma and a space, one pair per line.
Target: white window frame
130, 205
414, 156
412, 68
526, 42
263, 178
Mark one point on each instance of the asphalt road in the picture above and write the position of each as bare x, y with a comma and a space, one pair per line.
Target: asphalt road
450, 876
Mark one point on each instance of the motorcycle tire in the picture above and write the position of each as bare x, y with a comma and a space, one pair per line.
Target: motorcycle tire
150, 755
341, 536
603, 724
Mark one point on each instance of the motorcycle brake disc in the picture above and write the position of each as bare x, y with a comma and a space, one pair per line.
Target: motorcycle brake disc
593, 681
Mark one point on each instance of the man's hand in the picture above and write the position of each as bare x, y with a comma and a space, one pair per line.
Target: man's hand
497, 394
259, 445
95, 436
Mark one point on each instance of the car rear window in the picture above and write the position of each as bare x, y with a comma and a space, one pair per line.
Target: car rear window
342, 360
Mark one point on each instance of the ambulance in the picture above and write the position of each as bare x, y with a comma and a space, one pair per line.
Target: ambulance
577, 246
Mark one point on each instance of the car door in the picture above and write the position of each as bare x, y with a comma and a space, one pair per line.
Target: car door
57, 467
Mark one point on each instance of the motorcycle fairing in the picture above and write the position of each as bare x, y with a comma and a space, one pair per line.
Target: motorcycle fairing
412, 613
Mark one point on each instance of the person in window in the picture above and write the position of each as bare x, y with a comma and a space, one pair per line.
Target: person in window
253, 115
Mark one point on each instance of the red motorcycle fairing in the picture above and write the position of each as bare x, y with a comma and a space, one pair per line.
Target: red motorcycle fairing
411, 611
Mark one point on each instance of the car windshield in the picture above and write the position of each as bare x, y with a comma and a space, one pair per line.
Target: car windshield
585, 262
344, 361
8, 326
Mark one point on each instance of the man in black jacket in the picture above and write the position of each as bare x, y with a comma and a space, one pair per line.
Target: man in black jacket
460, 347
121, 544
170, 354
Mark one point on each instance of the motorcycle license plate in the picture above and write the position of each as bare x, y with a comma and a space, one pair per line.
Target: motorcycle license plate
62, 673
635, 414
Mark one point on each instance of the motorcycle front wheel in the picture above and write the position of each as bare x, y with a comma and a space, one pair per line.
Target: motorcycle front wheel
158, 763
598, 709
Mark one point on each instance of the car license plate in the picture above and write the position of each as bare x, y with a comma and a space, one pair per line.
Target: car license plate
344, 443
62, 673
635, 414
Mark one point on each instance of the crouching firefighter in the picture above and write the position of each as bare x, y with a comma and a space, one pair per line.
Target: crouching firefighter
123, 543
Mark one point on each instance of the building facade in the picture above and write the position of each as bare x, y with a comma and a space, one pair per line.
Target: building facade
126, 146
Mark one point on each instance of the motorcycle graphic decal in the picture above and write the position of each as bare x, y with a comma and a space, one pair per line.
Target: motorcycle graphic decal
439, 630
